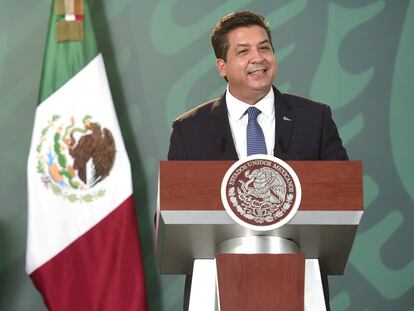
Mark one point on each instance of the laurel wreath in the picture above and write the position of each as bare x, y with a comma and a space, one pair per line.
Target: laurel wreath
40, 165
71, 197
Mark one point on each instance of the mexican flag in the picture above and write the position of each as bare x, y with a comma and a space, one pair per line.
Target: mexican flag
83, 250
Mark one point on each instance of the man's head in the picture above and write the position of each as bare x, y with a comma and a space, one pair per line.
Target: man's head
244, 51
234, 20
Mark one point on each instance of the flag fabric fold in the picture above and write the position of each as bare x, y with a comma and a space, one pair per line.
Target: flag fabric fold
83, 250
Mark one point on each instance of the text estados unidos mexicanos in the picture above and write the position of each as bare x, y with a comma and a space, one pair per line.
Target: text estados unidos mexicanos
259, 162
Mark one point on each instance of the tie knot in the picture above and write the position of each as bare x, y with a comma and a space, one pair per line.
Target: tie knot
253, 112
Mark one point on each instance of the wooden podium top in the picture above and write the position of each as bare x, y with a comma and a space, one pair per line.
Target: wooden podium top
192, 222
326, 185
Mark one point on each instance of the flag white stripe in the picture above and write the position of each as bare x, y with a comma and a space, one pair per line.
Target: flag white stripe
54, 223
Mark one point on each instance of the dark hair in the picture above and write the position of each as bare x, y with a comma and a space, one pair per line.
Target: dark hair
230, 22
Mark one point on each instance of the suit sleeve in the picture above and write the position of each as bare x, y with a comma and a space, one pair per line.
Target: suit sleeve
176, 150
331, 144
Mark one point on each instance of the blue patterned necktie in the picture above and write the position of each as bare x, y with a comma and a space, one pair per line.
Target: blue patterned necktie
255, 139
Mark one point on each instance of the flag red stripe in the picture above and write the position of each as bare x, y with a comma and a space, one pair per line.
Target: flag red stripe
101, 270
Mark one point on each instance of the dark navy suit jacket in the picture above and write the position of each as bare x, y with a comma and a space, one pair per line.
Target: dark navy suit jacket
304, 131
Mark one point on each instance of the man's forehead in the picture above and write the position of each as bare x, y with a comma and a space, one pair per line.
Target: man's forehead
243, 35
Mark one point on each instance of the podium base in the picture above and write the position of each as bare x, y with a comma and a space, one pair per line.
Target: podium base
204, 286
204, 295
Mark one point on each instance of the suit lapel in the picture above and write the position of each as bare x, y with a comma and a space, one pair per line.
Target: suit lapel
221, 130
285, 121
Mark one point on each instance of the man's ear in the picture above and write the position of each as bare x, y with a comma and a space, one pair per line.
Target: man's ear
221, 66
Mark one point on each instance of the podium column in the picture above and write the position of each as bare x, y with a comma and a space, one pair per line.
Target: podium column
257, 273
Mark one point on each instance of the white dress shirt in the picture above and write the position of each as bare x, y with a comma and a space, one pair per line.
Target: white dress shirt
238, 120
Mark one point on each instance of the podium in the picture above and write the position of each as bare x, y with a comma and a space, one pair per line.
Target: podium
194, 234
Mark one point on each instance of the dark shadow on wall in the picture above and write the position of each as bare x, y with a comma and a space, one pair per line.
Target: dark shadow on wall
4, 269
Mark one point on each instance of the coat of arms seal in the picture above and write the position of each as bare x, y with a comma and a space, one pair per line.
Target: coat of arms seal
261, 192
73, 156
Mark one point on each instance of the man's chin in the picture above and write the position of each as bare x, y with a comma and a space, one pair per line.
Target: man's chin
259, 80
261, 87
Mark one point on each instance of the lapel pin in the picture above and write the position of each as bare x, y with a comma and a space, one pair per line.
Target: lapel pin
286, 119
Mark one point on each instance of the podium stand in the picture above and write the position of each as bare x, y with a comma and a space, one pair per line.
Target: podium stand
193, 229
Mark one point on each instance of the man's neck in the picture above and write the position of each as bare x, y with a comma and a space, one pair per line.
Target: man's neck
250, 99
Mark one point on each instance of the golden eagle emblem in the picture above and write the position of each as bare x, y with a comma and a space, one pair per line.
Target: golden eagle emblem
75, 157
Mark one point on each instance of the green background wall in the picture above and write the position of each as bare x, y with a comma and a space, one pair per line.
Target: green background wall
355, 55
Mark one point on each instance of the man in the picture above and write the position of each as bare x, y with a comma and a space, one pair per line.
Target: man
287, 126
283, 125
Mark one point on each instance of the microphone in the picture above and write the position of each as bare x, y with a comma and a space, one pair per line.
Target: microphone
222, 144
281, 145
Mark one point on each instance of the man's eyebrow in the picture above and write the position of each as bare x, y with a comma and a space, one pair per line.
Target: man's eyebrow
264, 41
247, 45
242, 45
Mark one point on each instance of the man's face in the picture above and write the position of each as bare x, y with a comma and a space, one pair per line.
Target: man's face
250, 66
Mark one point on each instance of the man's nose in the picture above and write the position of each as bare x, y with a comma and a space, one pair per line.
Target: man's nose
256, 56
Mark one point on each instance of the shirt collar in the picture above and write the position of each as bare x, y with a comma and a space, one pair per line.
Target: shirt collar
236, 108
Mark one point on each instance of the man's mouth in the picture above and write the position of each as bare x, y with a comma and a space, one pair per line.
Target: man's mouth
257, 72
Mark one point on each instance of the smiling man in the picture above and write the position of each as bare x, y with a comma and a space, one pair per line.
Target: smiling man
252, 116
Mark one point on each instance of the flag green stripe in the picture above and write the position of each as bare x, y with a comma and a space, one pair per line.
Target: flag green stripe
64, 60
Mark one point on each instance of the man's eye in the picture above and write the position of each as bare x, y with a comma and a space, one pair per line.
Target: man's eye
242, 52
264, 48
